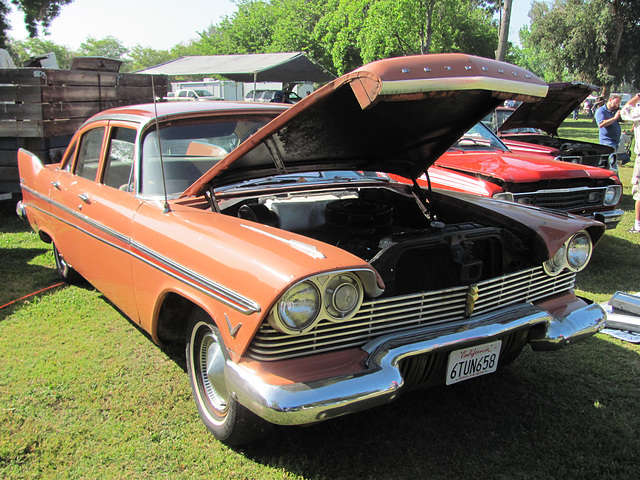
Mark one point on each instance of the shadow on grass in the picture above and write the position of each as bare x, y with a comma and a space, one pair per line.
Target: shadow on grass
20, 278
549, 415
174, 351
614, 266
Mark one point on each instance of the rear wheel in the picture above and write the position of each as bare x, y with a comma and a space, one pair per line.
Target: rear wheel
64, 269
229, 421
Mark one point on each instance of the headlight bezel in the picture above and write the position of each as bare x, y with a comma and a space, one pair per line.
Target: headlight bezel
616, 191
586, 248
283, 315
333, 289
565, 257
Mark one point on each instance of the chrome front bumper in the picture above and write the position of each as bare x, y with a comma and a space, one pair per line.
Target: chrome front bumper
610, 219
381, 382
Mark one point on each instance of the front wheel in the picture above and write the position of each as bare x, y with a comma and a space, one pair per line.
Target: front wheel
229, 421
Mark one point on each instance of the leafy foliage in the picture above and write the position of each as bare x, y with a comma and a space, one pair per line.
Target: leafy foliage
106, 47
595, 41
25, 49
38, 14
4, 25
344, 34
143, 57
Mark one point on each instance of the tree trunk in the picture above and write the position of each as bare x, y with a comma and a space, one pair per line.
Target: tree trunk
615, 51
503, 39
428, 34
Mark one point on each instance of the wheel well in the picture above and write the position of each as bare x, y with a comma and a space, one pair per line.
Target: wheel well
173, 317
44, 236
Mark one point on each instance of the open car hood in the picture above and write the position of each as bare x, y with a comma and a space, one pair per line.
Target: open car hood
548, 115
396, 115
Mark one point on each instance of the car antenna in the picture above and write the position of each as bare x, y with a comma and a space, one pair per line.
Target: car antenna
164, 181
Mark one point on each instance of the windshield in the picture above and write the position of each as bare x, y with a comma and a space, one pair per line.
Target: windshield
496, 118
479, 138
187, 149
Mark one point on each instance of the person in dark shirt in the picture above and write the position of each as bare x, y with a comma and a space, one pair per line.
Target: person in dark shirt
608, 120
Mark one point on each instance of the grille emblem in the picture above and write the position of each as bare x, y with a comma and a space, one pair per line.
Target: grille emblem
472, 298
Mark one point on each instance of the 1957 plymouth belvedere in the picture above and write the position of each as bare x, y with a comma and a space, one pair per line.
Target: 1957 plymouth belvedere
303, 282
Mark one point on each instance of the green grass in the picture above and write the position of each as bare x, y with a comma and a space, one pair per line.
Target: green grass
85, 394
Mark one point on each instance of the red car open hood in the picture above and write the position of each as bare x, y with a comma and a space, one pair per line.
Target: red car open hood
516, 167
548, 115
396, 115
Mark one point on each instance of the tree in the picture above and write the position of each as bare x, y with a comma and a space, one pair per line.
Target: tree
38, 15
360, 31
23, 50
249, 30
505, 20
144, 57
109, 47
4, 25
595, 41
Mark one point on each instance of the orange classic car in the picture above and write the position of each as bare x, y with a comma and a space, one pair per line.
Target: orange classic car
302, 281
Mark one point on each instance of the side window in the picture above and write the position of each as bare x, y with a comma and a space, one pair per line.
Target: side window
118, 170
69, 155
89, 153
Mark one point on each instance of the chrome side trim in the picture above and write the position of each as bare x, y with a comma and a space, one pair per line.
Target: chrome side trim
150, 257
381, 382
195, 280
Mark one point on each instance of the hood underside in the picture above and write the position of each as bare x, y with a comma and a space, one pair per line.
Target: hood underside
396, 115
548, 114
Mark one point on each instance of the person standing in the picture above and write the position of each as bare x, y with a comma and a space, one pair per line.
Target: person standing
631, 113
608, 121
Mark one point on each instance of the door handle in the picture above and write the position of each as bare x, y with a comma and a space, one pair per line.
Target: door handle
85, 198
56, 185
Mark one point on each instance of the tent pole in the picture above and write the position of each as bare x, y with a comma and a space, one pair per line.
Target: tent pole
255, 81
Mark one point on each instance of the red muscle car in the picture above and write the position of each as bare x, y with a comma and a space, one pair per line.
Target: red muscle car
302, 286
534, 128
481, 164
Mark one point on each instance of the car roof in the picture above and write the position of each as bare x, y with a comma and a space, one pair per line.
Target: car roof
142, 113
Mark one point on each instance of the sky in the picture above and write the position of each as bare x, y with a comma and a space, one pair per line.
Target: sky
160, 24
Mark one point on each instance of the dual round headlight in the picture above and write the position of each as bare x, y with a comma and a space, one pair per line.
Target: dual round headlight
574, 255
299, 307
336, 297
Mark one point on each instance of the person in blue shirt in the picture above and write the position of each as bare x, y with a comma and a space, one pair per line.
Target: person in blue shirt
608, 120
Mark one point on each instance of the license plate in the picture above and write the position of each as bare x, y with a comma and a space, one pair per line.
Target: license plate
473, 361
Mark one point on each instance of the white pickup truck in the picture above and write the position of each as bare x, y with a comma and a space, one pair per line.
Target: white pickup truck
188, 94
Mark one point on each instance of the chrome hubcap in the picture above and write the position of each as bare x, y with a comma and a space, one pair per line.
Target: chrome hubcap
211, 368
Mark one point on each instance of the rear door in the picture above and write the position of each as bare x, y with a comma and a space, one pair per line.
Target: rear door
96, 203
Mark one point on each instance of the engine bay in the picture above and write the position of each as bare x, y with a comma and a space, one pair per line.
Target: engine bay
389, 229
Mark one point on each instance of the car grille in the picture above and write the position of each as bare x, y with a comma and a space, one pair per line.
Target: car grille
596, 160
397, 314
567, 200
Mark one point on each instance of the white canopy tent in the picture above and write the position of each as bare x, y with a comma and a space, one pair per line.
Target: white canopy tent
295, 67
